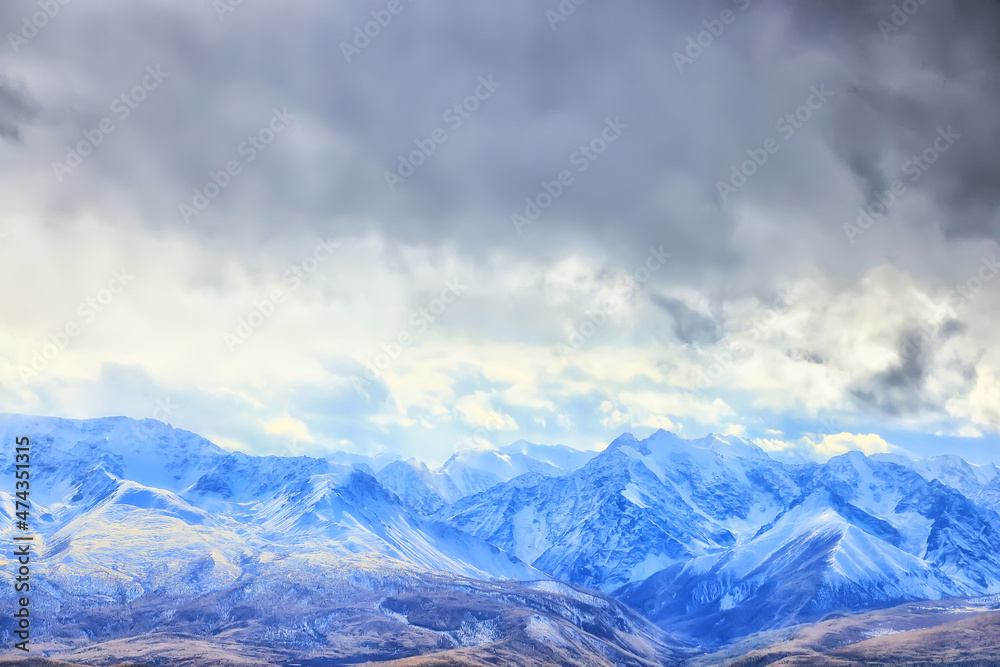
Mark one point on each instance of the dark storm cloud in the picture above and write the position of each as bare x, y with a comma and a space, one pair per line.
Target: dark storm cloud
951, 328
689, 325
898, 111
16, 108
656, 183
898, 390
902, 388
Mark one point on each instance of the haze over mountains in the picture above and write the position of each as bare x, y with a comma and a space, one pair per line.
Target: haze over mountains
145, 529
471, 471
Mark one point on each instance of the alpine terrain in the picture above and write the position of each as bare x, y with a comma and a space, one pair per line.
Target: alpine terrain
154, 541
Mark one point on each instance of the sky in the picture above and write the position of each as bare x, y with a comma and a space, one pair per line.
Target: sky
411, 228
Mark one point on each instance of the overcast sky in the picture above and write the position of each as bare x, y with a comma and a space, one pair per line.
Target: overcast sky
413, 227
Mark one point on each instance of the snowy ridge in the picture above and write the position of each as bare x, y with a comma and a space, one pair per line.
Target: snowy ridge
471, 471
711, 538
132, 507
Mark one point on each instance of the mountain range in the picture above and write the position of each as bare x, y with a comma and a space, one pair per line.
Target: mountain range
712, 539
644, 553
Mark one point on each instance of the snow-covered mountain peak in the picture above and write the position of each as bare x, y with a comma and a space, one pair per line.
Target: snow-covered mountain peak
663, 437
370, 464
730, 446
146, 451
417, 464
560, 456
624, 440
664, 444
711, 530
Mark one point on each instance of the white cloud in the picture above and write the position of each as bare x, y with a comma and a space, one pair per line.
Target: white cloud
477, 410
823, 447
840, 443
488, 358
288, 427
775, 445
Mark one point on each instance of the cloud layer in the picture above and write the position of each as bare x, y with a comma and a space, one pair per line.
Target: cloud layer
406, 228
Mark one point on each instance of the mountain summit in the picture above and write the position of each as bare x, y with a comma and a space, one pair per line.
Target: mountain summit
711, 538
